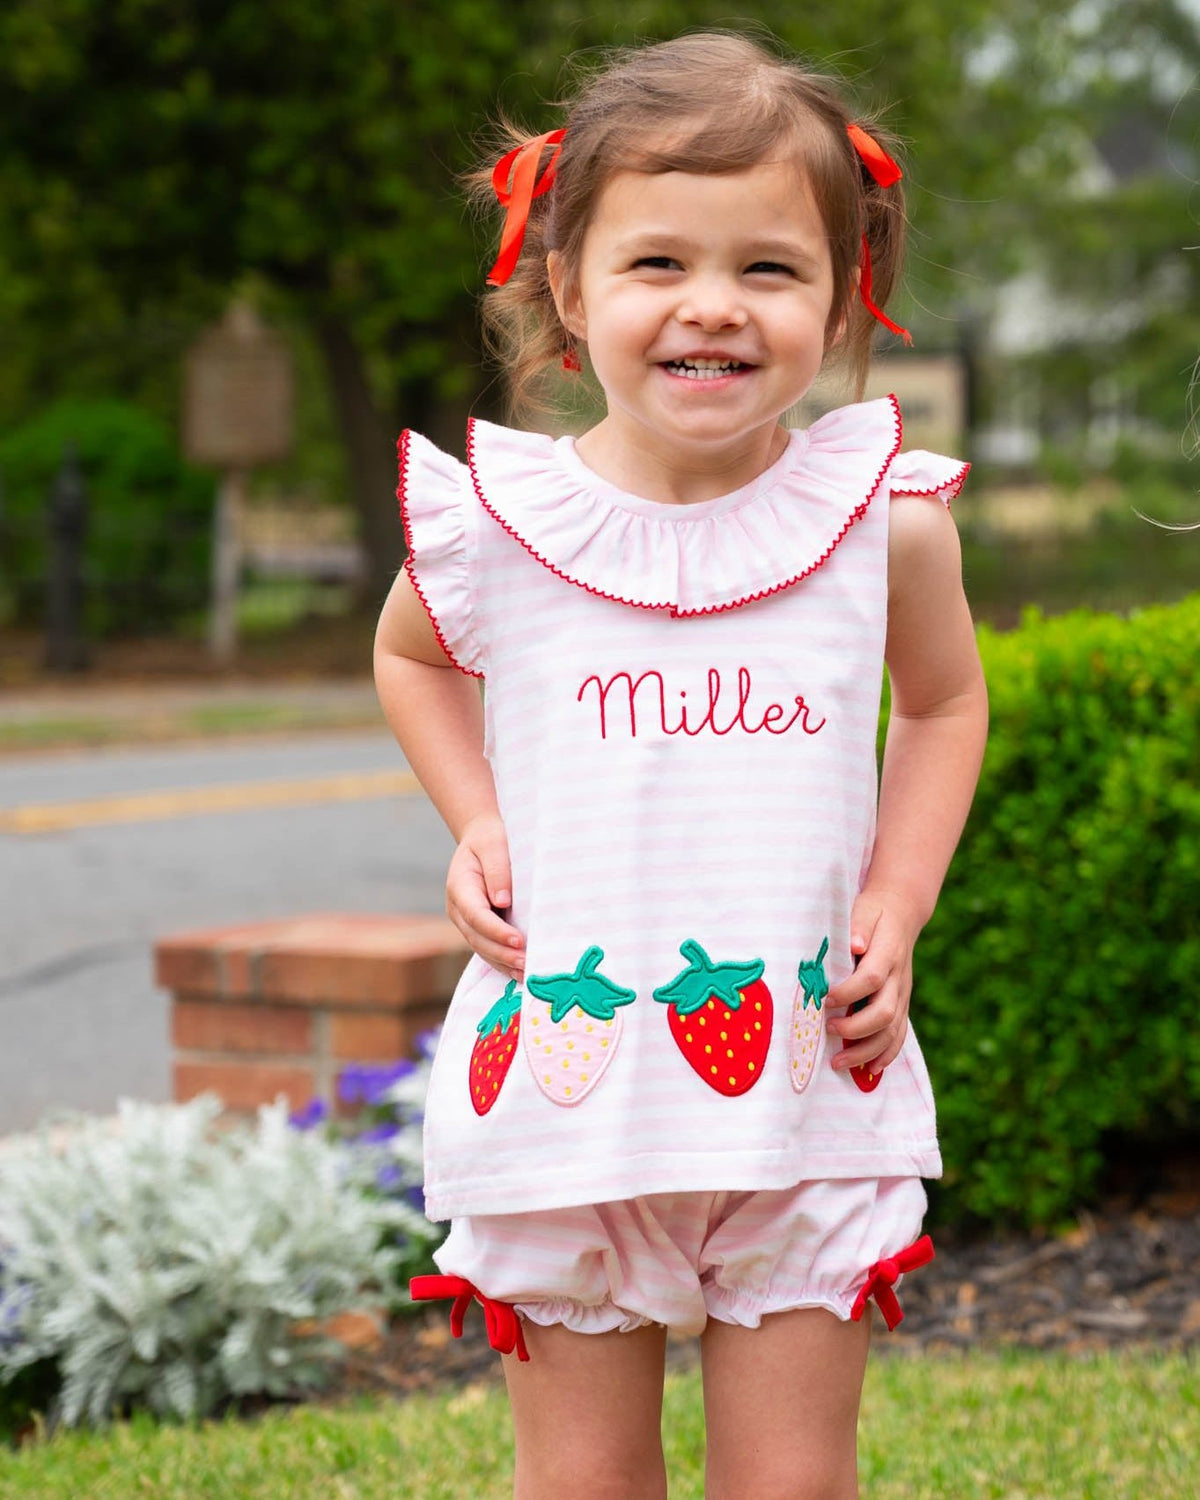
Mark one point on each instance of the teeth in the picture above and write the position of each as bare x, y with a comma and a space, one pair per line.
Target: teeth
703, 369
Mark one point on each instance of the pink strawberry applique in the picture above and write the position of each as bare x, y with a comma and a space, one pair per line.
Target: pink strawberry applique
804, 1044
572, 1026
492, 1054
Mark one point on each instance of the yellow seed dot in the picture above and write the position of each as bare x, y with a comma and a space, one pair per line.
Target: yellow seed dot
712, 1005
758, 1025
750, 1066
489, 1072
745, 1036
570, 1046
708, 1049
727, 1016
732, 1081
702, 1020
537, 1020
583, 1077
714, 1067
567, 1091
728, 1051
724, 1036
590, 1026
587, 1057
794, 1064
549, 1050
604, 1041
510, 1046
609, 1021
758, 1005
566, 1062
495, 1086
687, 1036
547, 1078
562, 1026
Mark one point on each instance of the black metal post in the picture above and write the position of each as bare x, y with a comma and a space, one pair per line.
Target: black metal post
66, 650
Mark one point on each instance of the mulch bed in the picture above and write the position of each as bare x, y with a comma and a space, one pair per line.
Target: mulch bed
1126, 1277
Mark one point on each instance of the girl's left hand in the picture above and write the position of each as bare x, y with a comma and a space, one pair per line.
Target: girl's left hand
883, 933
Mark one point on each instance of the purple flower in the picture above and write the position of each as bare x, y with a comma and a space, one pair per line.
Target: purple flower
389, 1177
415, 1197
312, 1114
377, 1134
363, 1083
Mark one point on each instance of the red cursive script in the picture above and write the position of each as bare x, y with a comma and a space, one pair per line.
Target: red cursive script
695, 717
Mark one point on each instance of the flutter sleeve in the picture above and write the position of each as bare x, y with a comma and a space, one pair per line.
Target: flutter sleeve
438, 509
921, 473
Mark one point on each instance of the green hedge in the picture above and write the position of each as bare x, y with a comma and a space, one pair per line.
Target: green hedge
1058, 984
146, 553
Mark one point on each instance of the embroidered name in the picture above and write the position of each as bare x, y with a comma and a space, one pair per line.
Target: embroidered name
718, 710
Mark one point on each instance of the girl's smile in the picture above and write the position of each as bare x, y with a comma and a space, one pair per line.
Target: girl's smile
704, 301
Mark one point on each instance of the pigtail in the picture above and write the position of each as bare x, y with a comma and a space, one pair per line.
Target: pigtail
521, 327
885, 226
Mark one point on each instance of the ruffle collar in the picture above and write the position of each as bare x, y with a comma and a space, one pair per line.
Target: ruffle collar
688, 559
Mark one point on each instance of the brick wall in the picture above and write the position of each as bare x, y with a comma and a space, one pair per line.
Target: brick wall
282, 1007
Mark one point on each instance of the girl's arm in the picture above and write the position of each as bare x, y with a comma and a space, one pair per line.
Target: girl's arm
934, 749
436, 714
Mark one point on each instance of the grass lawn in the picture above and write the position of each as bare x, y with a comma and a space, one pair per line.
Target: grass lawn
1012, 1427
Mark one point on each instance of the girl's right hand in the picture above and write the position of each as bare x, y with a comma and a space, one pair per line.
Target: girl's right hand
478, 882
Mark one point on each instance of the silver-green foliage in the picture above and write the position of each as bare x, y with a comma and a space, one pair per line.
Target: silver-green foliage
167, 1263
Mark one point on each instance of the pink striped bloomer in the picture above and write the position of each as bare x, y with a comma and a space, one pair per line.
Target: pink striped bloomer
681, 1258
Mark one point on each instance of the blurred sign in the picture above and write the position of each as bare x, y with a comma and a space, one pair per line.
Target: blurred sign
237, 405
931, 391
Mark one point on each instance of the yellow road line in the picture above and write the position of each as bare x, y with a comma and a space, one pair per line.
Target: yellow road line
146, 807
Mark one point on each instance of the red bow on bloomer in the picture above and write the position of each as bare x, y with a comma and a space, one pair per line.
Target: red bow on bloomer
884, 1274
503, 1325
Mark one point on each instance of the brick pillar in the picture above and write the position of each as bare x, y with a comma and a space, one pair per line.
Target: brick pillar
281, 1007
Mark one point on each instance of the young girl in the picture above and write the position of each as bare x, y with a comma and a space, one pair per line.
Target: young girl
677, 1087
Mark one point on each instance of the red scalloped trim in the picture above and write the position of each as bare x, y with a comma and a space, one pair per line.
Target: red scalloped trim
947, 493
402, 443
708, 609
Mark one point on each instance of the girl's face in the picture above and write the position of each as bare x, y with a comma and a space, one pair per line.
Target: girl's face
704, 302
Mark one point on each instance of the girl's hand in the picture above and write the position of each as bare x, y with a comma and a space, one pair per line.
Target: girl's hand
478, 881
883, 933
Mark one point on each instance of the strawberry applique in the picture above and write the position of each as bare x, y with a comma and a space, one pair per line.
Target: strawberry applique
492, 1054
573, 1026
720, 1017
868, 1082
807, 1026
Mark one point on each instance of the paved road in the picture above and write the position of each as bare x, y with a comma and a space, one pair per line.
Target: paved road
82, 905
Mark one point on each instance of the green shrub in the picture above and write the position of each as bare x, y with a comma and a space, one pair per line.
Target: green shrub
1057, 984
170, 1265
146, 554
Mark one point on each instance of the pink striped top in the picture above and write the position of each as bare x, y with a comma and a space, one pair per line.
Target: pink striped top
681, 714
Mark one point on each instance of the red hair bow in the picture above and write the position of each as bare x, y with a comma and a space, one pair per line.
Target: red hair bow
517, 196
884, 1274
503, 1325
886, 172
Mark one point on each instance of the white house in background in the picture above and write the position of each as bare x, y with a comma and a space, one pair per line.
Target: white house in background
1028, 318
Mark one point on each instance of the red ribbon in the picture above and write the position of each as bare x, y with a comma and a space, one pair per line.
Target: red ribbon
503, 1325
886, 172
883, 1275
517, 196
864, 291
882, 167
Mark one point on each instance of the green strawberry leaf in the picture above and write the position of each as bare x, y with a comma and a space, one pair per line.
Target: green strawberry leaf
703, 980
811, 975
593, 993
502, 1012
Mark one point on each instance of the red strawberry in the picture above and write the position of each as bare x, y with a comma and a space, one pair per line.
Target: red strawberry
720, 1016
866, 1081
492, 1054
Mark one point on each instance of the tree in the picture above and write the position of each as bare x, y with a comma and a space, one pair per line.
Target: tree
154, 152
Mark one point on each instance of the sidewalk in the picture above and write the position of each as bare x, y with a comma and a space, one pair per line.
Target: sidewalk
64, 716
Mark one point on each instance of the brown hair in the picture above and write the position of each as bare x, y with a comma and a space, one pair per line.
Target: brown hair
708, 102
